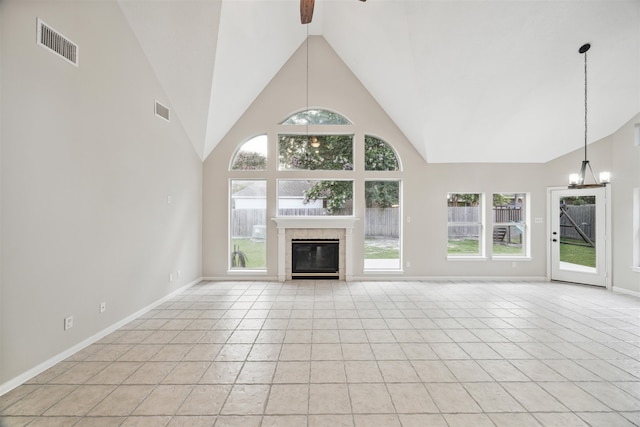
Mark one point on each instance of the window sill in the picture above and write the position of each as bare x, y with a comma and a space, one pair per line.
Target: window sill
636, 269
466, 258
248, 272
381, 271
511, 258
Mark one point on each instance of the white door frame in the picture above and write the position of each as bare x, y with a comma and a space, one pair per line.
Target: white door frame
607, 228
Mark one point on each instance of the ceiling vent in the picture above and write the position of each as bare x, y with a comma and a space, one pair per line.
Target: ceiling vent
57, 43
162, 111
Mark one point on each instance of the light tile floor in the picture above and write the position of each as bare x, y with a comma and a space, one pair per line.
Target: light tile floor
324, 353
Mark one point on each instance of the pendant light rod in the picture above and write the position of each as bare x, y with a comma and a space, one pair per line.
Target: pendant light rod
578, 180
583, 50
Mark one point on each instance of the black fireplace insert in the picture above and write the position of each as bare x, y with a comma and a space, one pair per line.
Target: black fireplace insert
315, 258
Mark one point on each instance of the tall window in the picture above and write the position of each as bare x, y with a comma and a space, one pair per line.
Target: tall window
510, 224
465, 223
382, 225
309, 144
248, 220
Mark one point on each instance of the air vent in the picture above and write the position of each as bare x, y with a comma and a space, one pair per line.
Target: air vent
162, 111
57, 43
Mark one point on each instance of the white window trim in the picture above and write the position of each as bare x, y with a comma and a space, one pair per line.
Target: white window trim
400, 269
526, 255
240, 271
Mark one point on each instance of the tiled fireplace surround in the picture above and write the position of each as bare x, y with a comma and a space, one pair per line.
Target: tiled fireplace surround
340, 228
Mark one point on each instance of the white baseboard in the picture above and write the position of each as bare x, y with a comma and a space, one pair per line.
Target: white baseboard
37, 370
381, 276
625, 291
242, 278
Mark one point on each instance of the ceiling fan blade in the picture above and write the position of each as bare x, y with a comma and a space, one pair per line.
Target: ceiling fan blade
306, 11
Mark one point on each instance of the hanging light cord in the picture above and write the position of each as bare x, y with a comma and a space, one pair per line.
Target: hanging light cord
306, 113
585, 106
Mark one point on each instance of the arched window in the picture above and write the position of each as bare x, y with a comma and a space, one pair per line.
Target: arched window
379, 156
252, 155
316, 117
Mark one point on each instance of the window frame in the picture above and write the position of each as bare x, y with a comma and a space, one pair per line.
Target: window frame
526, 224
400, 267
239, 149
230, 224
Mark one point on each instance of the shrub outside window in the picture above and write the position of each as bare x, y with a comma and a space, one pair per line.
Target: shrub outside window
509, 224
465, 225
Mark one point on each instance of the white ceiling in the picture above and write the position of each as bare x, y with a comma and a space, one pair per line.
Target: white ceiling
466, 81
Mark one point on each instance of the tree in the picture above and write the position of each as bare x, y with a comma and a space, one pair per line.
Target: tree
382, 194
378, 155
337, 195
464, 199
249, 160
333, 152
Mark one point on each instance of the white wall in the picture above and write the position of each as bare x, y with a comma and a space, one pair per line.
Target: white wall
86, 170
626, 169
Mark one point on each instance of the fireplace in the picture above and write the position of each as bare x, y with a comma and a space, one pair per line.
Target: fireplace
338, 228
315, 258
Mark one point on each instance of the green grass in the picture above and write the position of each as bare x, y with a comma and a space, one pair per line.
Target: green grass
256, 252
507, 249
381, 249
470, 247
463, 247
580, 255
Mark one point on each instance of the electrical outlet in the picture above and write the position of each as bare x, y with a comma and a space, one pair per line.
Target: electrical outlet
170, 277
68, 322
408, 264
103, 307
178, 274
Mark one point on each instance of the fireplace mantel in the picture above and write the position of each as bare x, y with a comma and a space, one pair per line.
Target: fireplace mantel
346, 222
319, 223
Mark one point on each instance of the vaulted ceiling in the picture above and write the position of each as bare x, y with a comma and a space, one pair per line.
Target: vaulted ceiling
466, 81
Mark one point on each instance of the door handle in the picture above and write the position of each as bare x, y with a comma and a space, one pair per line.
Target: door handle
554, 240
554, 233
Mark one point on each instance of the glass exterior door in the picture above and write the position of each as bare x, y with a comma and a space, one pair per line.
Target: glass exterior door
578, 236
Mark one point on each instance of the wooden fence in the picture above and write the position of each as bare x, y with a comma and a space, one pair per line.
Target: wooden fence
584, 216
382, 222
471, 215
378, 222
